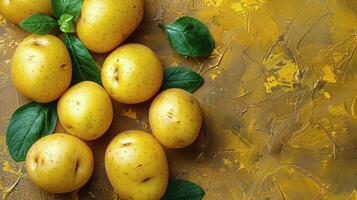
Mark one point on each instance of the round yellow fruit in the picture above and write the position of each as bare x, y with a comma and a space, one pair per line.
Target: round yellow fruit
136, 165
103, 25
85, 111
175, 118
132, 74
41, 68
18, 10
59, 163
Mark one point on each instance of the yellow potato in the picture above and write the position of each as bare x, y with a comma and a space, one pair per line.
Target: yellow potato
175, 118
137, 166
103, 25
85, 111
18, 10
41, 68
132, 74
59, 163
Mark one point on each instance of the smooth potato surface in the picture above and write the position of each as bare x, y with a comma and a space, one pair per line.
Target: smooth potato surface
103, 25
59, 163
136, 166
132, 74
85, 110
175, 118
18, 10
41, 68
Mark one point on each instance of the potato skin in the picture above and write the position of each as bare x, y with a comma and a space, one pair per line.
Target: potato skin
103, 25
85, 110
59, 163
18, 10
136, 165
132, 74
41, 68
175, 118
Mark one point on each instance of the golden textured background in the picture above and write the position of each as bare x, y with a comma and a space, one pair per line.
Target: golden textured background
280, 101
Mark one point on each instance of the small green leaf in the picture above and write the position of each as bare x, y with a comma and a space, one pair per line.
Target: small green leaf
66, 23
71, 7
189, 37
181, 77
183, 190
28, 124
84, 66
39, 24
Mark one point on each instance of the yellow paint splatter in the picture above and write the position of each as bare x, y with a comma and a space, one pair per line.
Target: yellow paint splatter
287, 73
6, 167
238, 7
283, 72
271, 83
227, 162
214, 76
130, 114
241, 165
328, 74
327, 95
213, 3
245, 6
283, 77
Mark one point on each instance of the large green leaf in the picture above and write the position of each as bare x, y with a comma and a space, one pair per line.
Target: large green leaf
189, 37
84, 66
182, 77
29, 123
39, 24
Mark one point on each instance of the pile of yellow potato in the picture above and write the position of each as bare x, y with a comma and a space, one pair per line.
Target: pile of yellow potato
41, 70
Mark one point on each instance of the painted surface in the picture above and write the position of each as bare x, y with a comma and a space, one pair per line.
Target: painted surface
280, 101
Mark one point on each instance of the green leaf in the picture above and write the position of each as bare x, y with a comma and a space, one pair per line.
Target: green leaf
29, 123
189, 37
181, 77
39, 24
84, 66
66, 23
183, 190
71, 7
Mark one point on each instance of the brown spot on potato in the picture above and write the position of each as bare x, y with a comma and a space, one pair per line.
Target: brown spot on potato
39, 42
169, 115
146, 179
68, 126
63, 66
141, 165
76, 167
116, 75
126, 144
